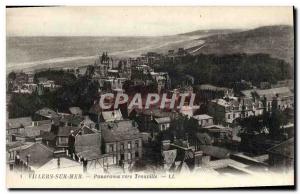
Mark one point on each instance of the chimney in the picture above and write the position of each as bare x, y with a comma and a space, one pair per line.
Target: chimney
58, 162
28, 159
198, 158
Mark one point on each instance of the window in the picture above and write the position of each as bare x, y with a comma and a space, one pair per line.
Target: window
129, 156
136, 143
233, 115
122, 146
111, 147
136, 154
129, 145
228, 116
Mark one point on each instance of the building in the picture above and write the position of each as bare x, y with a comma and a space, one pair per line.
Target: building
162, 123
228, 110
40, 158
204, 120
122, 140
62, 140
281, 98
114, 115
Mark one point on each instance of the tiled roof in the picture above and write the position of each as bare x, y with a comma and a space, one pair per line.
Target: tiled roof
39, 155
18, 122
119, 130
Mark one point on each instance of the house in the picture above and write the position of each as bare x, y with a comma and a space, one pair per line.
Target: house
122, 140
114, 115
33, 157
209, 92
219, 133
40, 158
162, 123
145, 118
228, 110
62, 140
13, 125
282, 155
204, 120
30, 133
281, 98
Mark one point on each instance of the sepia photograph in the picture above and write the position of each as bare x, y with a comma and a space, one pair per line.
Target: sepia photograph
150, 97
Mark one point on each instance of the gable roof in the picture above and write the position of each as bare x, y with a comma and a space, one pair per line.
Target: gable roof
84, 130
119, 130
39, 155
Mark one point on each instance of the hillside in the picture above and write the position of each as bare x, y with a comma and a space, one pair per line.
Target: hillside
278, 41
210, 32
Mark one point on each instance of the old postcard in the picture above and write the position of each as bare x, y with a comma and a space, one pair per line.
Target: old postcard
149, 97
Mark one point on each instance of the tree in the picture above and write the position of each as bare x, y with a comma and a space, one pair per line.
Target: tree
12, 75
276, 121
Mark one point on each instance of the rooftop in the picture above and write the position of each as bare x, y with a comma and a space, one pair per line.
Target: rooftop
19, 122
163, 120
202, 117
119, 130
39, 155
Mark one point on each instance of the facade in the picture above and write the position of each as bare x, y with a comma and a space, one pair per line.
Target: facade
122, 140
163, 123
204, 120
228, 110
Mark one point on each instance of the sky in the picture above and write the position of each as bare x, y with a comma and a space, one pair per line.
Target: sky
138, 21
